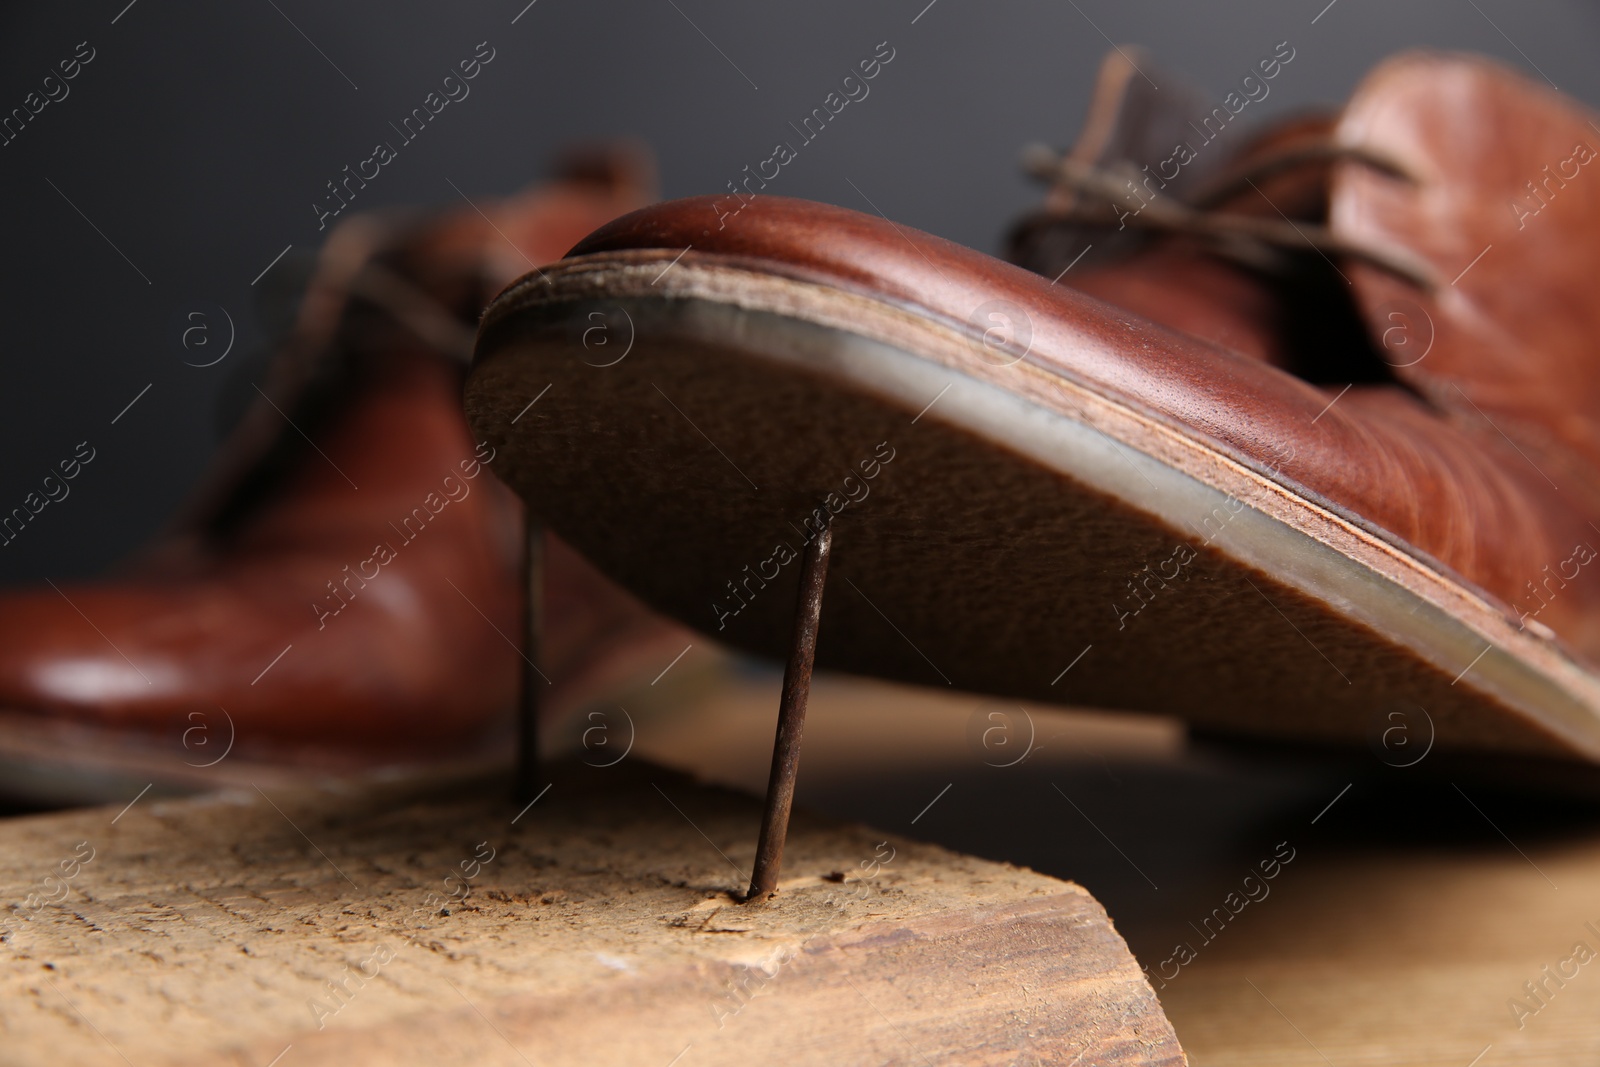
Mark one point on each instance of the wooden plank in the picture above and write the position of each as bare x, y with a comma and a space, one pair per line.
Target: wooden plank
426, 921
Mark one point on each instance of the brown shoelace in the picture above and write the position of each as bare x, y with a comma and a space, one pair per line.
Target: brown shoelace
1101, 196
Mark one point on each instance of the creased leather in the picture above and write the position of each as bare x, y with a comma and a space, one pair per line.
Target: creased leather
1510, 218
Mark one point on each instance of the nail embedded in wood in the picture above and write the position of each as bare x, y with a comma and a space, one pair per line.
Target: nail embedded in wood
527, 776
791, 719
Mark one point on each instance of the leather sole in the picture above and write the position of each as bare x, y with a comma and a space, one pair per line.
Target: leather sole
1030, 537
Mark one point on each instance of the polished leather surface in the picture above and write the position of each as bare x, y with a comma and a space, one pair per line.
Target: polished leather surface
1498, 347
1507, 170
1382, 456
368, 594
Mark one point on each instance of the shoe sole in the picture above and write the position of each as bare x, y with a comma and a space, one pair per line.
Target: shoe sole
1031, 537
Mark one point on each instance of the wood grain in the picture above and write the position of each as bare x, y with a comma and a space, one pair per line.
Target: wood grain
597, 927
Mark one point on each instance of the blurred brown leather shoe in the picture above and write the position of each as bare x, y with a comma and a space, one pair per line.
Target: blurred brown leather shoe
345, 588
1322, 464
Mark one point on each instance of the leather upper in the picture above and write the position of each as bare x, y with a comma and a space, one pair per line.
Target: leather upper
1393, 461
1506, 209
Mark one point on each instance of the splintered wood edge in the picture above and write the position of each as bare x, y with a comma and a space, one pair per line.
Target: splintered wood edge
600, 926
1044, 980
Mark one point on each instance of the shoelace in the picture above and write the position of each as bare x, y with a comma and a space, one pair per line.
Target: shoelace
417, 310
1102, 196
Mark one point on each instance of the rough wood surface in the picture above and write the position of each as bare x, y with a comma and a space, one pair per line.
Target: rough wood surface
426, 922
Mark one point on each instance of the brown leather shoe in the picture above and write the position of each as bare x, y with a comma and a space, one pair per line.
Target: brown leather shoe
1321, 497
1402, 278
346, 586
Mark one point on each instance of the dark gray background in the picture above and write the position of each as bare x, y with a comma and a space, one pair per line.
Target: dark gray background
199, 136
